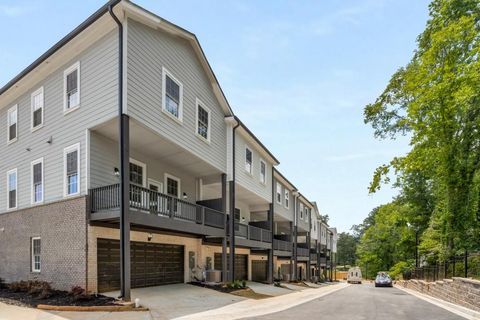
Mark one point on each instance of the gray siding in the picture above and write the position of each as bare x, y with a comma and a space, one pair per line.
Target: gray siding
303, 223
251, 181
280, 209
148, 51
104, 158
98, 89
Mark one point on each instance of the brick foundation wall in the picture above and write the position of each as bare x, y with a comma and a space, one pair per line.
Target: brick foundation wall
461, 291
62, 228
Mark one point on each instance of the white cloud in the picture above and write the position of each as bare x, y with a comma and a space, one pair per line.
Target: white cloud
13, 10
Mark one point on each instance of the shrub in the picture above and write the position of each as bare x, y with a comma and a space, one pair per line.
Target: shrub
236, 284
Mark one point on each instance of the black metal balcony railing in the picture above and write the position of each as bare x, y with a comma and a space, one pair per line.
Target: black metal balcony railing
282, 245
302, 252
313, 257
143, 199
252, 233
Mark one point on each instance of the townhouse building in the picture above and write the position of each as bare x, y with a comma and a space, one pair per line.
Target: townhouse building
128, 98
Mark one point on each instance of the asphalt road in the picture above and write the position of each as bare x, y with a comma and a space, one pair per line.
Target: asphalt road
358, 302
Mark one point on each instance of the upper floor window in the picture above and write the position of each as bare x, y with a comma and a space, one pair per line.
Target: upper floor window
173, 185
287, 199
12, 189
172, 95
71, 88
71, 179
263, 172
203, 121
12, 124
36, 252
137, 172
279, 193
37, 109
248, 160
37, 181
301, 211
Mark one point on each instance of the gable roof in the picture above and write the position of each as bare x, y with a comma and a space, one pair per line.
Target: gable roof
138, 13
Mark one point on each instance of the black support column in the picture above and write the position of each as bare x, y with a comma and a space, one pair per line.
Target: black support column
309, 271
293, 254
224, 240
270, 251
231, 228
295, 245
124, 141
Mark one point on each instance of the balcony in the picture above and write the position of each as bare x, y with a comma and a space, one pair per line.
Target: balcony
251, 236
313, 258
303, 252
155, 209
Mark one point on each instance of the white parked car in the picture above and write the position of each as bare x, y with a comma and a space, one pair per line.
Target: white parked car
354, 275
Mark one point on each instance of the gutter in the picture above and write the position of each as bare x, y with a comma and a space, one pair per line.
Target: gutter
75, 32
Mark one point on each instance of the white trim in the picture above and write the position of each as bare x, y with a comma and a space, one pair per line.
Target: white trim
199, 103
245, 159
75, 66
278, 192
9, 172
144, 166
260, 175
11, 110
169, 176
34, 94
286, 195
87, 160
66, 151
155, 183
166, 73
32, 257
32, 189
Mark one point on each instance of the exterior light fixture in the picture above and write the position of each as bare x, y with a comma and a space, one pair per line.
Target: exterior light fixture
116, 172
149, 237
185, 196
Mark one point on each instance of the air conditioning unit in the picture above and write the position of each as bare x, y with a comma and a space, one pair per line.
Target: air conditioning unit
213, 276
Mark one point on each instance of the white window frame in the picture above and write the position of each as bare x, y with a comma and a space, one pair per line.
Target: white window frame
287, 198
34, 94
301, 211
263, 177
278, 192
33, 256
32, 187
66, 151
16, 188
10, 111
75, 66
166, 73
199, 103
169, 176
251, 163
144, 166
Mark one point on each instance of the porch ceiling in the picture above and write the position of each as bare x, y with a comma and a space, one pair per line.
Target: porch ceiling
256, 202
148, 142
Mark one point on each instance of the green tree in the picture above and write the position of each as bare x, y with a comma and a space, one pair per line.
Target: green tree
435, 101
346, 247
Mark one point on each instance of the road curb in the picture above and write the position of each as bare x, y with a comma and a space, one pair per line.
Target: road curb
454, 308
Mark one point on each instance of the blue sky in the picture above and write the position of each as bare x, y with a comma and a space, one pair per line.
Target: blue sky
298, 73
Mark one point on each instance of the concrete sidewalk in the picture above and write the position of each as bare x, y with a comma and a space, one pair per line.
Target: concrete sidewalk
255, 308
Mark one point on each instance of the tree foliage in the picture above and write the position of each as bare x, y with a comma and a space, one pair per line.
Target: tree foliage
434, 100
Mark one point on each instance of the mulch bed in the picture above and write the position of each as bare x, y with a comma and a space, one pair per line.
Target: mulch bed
58, 298
214, 286
244, 292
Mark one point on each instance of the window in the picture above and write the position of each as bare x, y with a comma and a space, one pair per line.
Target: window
248, 160
263, 172
37, 109
71, 158
71, 88
173, 185
203, 121
37, 181
301, 211
287, 199
172, 95
12, 124
36, 252
138, 172
12, 189
279, 193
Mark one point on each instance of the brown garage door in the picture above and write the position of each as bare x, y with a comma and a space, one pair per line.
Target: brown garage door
241, 265
152, 264
259, 270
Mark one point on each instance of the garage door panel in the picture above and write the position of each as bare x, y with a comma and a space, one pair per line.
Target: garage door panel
241, 265
151, 264
259, 270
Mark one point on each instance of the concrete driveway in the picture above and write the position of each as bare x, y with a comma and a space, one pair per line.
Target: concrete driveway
268, 289
178, 300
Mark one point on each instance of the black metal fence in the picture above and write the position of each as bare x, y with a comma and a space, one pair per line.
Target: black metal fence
466, 266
